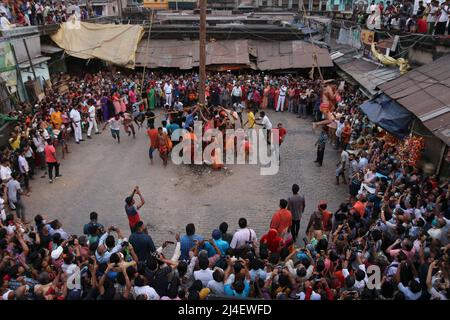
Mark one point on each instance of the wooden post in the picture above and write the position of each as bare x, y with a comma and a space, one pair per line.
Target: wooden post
202, 54
29, 58
120, 10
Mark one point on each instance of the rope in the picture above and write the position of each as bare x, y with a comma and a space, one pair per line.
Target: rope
314, 55
146, 50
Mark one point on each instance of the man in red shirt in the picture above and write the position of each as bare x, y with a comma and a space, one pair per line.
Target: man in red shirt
52, 162
281, 134
282, 219
326, 216
422, 26
153, 136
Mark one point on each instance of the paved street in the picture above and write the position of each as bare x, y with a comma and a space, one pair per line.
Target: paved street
99, 174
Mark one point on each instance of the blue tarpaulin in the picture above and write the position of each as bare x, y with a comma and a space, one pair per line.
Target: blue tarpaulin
388, 114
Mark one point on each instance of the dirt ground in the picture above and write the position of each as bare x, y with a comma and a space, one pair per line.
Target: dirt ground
99, 174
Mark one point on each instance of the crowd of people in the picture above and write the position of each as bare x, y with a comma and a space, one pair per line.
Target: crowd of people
395, 220
23, 13
430, 17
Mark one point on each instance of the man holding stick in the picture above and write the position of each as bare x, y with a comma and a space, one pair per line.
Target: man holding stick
131, 210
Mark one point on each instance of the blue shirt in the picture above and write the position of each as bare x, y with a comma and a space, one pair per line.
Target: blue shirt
221, 244
187, 243
174, 135
229, 291
189, 120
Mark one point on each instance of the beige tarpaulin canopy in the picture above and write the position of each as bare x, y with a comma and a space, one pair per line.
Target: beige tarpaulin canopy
110, 42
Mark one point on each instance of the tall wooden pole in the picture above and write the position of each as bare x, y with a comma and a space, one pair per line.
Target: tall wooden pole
202, 53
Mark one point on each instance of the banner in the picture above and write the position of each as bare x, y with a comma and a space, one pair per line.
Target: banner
7, 65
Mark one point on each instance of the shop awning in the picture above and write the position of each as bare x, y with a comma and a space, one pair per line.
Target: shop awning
388, 114
49, 49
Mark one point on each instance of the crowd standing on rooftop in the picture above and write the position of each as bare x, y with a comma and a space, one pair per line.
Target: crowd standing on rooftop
430, 17
395, 220
23, 13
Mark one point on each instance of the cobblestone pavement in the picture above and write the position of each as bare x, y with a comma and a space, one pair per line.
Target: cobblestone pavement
99, 174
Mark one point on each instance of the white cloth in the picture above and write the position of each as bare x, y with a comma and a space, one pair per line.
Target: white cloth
236, 92
363, 162
169, 99
147, 290
266, 123
339, 127
92, 121
204, 276
168, 88
91, 112
432, 14
241, 237
23, 165
280, 103
443, 17
5, 24
39, 143
114, 124
409, 295
216, 287
75, 115
5, 173
77, 131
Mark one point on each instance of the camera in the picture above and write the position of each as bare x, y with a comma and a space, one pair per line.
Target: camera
125, 244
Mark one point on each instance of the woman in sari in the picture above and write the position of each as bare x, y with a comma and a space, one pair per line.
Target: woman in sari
151, 98
116, 102
104, 107
273, 242
277, 94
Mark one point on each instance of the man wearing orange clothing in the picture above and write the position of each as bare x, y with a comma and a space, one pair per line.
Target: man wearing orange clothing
153, 135
360, 205
282, 219
56, 118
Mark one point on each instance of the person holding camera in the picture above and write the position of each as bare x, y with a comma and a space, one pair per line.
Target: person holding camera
107, 245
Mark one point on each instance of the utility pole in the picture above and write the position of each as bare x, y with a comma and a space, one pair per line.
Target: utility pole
120, 9
202, 53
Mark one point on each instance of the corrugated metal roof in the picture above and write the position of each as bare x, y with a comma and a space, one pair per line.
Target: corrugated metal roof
425, 91
278, 55
271, 55
185, 54
367, 73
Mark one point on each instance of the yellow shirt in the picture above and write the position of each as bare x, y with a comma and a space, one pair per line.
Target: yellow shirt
56, 119
251, 120
15, 144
